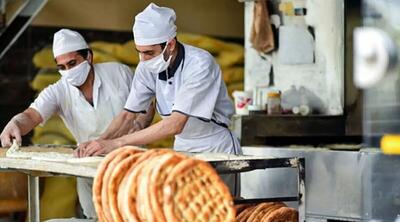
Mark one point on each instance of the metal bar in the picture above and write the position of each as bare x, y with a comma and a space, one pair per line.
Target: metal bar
262, 200
238, 166
33, 199
19, 25
2, 14
301, 167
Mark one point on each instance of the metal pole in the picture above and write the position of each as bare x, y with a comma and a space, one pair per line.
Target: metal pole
2, 14
302, 190
33, 199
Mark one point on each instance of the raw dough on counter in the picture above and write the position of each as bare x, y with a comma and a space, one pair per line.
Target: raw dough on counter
60, 154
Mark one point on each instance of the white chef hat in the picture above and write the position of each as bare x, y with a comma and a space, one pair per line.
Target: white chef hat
66, 40
154, 25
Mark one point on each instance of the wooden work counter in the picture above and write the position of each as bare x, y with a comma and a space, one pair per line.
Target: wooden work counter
86, 167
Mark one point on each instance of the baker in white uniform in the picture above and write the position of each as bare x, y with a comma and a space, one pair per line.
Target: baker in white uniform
87, 98
190, 93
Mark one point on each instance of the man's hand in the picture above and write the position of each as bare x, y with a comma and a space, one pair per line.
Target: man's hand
20, 125
10, 132
95, 148
79, 151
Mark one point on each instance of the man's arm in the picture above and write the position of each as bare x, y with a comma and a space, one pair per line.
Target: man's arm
127, 122
143, 120
20, 125
167, 127
171, 126
120, 125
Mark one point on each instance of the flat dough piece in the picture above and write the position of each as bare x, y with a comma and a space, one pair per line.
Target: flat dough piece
49, 157
127, 195
98, 180
245, 214
158, 175
39, 153
143, 203
283, 214
240, 207
124, 153
263, 209
113, 184
193, 191
86, 160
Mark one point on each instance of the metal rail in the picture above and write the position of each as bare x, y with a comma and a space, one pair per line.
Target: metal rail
221, 166
239, 166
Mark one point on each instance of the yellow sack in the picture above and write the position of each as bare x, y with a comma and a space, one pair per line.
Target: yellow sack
233, 75
55, 126
230, 58
104, 47
44, 59
52, 138
233, 87
59, 198
100, 57
212, 45
127, 53
165, 143
44, 78
190, 39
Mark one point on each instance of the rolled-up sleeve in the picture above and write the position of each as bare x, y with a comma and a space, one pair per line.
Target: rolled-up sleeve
142, 92
47, 102
198, 95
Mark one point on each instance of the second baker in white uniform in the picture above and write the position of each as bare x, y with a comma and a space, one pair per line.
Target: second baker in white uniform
187, 84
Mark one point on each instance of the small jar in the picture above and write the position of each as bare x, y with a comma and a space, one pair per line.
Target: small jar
274, 103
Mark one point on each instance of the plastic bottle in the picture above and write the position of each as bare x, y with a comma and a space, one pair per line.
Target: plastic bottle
274, 103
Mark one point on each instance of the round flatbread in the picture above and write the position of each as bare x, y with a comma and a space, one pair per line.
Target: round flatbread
263, 209
193, 191
283, 214
127, 196
113, 185
122, 154
158, 174
240, 207
245, 214
142, 183
98, 180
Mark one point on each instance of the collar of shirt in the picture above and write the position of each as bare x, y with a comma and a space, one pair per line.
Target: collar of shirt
180, 58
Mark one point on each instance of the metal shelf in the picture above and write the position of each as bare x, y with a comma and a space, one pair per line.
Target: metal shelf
239, 166
235, 164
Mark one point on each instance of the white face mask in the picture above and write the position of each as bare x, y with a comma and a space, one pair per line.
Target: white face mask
157, 64
78, 74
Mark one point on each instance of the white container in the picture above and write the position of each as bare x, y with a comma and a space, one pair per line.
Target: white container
242, 100
260, 96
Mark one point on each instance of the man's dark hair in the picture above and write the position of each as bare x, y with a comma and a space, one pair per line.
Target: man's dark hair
165, 43
84, 52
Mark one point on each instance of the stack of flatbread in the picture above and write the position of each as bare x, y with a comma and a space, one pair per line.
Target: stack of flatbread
266, 212
159, 185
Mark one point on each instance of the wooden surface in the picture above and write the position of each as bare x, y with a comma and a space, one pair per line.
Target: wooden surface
82, 168
40, 149
13, 206
44, 168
